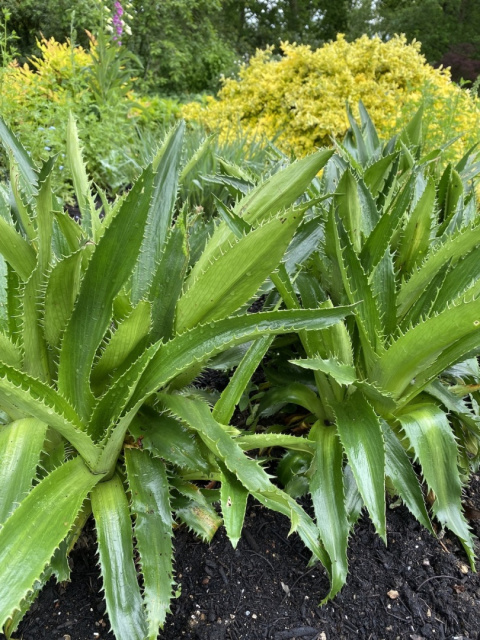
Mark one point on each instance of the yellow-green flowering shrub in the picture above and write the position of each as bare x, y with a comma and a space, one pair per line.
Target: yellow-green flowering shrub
36, 99
300, 98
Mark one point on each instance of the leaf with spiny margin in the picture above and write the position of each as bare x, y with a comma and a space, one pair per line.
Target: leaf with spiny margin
342, 373
225, 406
197, 416
150, 505
31, 534
71, 231
412, 133
326, 488
277, 193
460, 282
123, 342
383, 283
452, 250
399, 469
369, 131
379, 240
349, 210
410, 362
192, 508
361, 436
455, 405
160, 213
295, 393
10, 352
376, 174
14, 303
353, 499
361, 148
21, 444
167, 438
423, 306
167, 282
450, 191
235, 276
368, 207
416, 234
27, 169
429, 433
115, 548
61, 291
16, 250
359, 292
90, 220
35, 398
110, 406
3, 294
36, 360
233, 498
109, 267
203, 342
269, 440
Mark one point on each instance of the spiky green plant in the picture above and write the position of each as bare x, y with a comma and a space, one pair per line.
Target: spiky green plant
102, 326
400, 239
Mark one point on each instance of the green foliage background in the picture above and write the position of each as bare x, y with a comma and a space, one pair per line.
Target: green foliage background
185, 45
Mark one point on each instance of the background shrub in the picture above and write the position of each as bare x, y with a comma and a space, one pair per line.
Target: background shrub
299, 99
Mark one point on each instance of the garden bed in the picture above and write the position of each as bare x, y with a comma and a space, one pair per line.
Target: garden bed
264, 589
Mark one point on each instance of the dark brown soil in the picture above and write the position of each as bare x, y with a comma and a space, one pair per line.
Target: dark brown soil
418, 587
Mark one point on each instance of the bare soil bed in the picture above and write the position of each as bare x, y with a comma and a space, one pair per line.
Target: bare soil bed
417, 587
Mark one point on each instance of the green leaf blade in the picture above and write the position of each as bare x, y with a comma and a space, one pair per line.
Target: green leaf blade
115, 548
150, 503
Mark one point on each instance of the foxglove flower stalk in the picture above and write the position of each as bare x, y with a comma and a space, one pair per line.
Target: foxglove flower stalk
118, 23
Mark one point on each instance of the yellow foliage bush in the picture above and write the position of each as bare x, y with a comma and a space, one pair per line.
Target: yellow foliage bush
299, 99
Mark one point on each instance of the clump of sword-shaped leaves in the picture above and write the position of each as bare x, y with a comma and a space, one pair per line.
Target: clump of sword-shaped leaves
396, 383
102, 324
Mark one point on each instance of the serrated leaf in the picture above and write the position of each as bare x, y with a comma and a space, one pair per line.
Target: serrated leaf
33, 397
383, 284
277, 193
198, 417
150, 504
453, 249
342, 373
16, 250
416, 235
359, 291
21, 444
107, 271
115, 548
399, 469
168, 281
28, 538
90, 220
431, 437
24, 162
61, 291
233, 498
269, 440
10, 352
203, 342
236, 275
110, 406
376, 174
192, 508
379, 240
166, 166
225, 406
361, 436
326, 489
123, 342
416, 357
